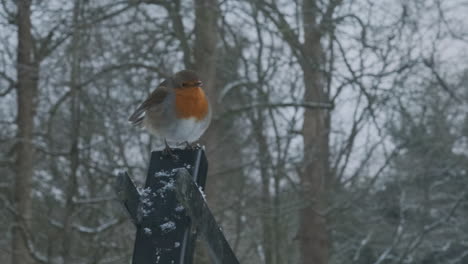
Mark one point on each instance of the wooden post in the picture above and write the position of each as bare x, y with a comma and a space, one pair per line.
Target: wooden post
163, 228
171, 209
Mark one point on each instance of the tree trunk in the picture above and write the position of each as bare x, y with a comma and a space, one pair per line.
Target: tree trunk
27, 74
266, 212
313, 235
75, 73
206, 39
205, 57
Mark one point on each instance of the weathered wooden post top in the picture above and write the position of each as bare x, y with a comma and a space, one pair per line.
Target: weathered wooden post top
170, 211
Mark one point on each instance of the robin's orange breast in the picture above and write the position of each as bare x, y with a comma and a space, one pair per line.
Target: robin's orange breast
191, 102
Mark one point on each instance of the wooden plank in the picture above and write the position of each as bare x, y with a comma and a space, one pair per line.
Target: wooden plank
192, 198
164, 229
128, 195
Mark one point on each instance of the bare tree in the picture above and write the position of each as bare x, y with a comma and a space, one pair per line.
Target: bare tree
76, 47
205, 60
317, 24
27, 85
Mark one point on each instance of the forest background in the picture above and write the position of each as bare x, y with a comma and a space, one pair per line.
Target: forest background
340, 131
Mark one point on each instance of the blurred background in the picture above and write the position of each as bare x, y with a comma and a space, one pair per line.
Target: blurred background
340, 131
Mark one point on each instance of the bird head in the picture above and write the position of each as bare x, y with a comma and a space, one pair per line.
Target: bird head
187, 79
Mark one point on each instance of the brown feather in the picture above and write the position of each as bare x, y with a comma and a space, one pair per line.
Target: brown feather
155, 98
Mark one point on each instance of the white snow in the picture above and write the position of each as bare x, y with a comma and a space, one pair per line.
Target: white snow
162, 174
169, 185
168, 226
144, 191
147, 231
179, 208
145, 201
202, 193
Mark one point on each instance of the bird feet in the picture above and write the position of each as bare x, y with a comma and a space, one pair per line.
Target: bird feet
190, 146
167, 151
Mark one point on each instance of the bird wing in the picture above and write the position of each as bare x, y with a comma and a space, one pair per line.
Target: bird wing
155, 98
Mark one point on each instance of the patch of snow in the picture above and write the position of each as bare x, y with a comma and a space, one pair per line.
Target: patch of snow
145, 201
169, 185
145, 212
144, 191
147, 231
162, 174
168, 226
202, 193
179, 208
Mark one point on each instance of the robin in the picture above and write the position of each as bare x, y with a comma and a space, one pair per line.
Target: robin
177, 110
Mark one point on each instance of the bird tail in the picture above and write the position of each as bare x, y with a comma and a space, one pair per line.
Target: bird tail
138, 122
137, 117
